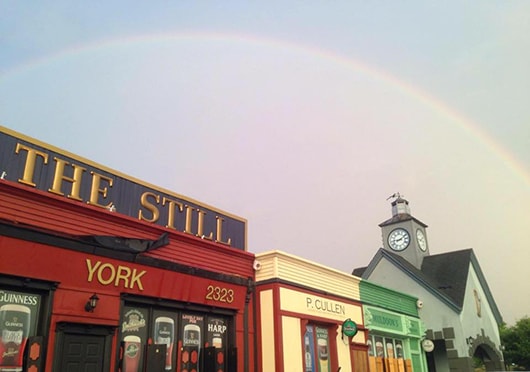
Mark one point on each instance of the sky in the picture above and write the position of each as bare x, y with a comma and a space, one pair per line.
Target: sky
302, 117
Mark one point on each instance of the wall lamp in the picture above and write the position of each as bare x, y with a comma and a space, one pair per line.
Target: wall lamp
91, 303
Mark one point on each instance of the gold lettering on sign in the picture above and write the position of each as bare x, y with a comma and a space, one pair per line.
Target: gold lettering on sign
171, 211
187, 226
29, 167
109, 274
59, 177
96, 189
151, 202
144, 202
189, 219
219, 236
200, 226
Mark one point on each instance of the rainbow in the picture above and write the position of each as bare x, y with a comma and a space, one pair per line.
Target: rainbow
421, 96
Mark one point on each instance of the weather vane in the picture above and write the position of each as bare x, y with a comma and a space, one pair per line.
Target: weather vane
396, 195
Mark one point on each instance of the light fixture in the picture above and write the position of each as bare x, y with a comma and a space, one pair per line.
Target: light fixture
91, 303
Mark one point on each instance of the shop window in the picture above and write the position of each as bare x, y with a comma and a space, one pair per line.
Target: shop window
192, 341
24, 304
316, 349
385, 347
386, 354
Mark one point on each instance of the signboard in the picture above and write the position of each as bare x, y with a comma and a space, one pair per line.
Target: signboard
384, 320
427, 345
43, 167
19, 312
323, 307
349, 328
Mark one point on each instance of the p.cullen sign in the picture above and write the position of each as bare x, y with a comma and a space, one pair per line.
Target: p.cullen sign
35, 164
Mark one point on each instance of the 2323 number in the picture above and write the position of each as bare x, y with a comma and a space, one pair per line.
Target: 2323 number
220, 294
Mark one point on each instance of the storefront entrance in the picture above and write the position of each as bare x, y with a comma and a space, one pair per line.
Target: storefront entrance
83, 347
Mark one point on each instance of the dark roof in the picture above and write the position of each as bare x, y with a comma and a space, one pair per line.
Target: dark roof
444, 275
359, 271
400, 218
448, 272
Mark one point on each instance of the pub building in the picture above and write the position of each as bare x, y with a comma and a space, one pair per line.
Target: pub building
309, 317
395, 332
102, 272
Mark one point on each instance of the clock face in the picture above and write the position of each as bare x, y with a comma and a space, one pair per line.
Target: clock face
422, 241
399, 239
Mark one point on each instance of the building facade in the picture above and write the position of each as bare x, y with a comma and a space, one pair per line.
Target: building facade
458, 309
309, 317
395, 330
85, 284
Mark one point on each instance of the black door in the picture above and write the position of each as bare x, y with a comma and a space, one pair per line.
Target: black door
82, 348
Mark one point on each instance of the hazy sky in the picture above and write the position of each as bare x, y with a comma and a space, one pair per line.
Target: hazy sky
300, 116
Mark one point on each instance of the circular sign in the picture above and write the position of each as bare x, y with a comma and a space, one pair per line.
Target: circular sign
427, 345
349, 328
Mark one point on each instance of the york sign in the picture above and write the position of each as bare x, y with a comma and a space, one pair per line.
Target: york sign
116, 275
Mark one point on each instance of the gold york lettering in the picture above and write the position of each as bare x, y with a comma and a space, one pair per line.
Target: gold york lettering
109, 274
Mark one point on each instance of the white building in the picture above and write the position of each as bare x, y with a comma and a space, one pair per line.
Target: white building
457, 307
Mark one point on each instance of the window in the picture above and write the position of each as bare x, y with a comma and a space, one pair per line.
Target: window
19, 314
192, 340
385, 347
387, 354
316, 349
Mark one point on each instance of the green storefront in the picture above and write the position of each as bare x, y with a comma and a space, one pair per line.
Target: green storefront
395, 330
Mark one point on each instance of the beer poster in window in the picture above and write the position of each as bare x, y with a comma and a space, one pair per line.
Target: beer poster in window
309, 347
379, 347
192, 326
163, 329
217, 338
399, 349
389, 348
19, 313
370, 347
323, 349
133, 337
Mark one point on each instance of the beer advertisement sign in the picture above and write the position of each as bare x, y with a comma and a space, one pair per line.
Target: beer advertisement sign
217, 338
309, 347
192, 326
164, 324
323, 349
18, 320
134, 335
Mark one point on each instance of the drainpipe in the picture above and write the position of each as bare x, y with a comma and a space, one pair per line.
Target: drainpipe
250, 289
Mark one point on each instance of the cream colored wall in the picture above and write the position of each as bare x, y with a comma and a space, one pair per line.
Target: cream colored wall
343, 352
277, 264
268, 355
280, 265
292, 346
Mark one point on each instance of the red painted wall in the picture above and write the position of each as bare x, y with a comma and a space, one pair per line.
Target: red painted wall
81, 274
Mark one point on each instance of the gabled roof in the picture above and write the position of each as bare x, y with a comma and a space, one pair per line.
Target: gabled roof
444, 275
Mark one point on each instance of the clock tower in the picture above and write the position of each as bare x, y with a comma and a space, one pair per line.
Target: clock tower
403, 234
